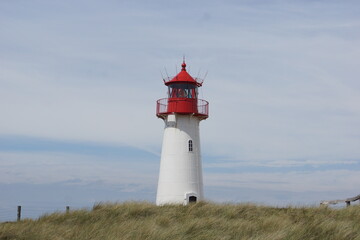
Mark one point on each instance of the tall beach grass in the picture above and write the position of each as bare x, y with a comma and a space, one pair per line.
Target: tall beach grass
141, 220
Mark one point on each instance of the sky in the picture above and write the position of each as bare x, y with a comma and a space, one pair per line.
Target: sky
79, 81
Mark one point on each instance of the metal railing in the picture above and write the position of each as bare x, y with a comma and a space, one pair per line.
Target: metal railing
201, 109
347, 201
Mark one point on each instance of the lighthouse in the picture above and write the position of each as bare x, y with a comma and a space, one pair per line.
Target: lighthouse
180, 176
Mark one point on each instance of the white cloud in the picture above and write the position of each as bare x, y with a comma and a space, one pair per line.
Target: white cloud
55, 167
316, 181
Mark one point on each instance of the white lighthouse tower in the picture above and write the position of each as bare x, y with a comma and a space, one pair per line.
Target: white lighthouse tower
180, 177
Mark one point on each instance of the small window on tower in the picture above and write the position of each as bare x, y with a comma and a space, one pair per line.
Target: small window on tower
190, 146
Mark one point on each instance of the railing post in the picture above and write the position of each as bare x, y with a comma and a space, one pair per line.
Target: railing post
18, 213
67, 209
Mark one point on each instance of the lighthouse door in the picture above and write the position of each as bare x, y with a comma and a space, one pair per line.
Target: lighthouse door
192, 199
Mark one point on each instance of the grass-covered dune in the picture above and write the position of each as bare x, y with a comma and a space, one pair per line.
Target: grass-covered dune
133, 220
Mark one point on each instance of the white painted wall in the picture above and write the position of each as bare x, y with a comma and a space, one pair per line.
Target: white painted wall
180, 169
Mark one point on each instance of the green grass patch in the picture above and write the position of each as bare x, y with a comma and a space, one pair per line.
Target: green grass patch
141, 220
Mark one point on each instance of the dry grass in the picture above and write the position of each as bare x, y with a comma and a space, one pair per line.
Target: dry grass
133, 220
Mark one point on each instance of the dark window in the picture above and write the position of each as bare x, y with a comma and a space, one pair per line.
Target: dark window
192, 199
182, 90
190, 146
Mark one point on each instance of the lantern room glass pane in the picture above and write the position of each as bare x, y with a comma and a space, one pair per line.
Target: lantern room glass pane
182, 90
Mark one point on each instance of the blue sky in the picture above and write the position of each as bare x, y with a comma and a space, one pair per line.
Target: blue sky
79, 81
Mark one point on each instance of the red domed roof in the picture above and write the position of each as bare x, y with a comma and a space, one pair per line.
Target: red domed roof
183, 77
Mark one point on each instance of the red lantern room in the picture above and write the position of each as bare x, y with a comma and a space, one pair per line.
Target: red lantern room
182, 97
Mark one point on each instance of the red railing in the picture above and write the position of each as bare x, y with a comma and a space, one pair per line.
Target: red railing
201, 109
